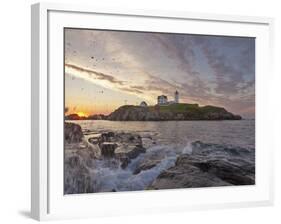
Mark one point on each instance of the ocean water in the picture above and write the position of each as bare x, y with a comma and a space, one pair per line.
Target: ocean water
236, 133
170, 139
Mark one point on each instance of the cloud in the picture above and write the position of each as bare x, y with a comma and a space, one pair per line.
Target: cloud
97, 75
230, 69
131, 90
179, 48
140, 88
106, 81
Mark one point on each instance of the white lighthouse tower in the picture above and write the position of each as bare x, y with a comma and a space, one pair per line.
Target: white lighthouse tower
176, 97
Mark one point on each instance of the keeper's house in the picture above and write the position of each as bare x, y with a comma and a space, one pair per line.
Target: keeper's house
163, 100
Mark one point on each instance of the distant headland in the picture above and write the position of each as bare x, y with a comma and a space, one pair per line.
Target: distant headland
179, 111
164, 110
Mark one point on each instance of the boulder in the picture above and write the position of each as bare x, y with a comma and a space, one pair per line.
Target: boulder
72, 133
146, 165
93, 141
147, 142
125, 153
106, 136
108, 148
119, 145
94, 138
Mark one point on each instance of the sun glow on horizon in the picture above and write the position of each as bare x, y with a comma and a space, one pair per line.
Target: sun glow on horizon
81, 114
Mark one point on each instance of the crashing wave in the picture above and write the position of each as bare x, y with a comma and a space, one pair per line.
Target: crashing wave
195, 164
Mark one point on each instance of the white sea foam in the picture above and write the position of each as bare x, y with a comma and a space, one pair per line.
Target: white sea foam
187, 149
108, 178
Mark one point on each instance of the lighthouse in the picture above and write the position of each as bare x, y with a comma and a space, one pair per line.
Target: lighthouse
176, 97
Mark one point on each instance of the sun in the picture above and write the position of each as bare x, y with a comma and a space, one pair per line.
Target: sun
81, 114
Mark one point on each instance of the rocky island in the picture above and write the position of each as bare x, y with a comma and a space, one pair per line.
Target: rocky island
179, 111
163, 110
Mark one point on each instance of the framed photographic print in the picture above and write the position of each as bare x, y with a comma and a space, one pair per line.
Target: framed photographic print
146, 111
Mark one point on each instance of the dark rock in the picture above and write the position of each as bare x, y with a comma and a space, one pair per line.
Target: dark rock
97, 117
124, 161
127, 152
106, 136
146, 165
147, 141
73, 161
209, 165
186, 176
72, 133
108, 148
122, 146
93, 140
236, 175
77, 176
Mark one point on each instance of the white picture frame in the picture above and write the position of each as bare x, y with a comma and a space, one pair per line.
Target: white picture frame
47, 199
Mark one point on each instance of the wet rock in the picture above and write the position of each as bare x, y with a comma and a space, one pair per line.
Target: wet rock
146, 165
130, 151
93, 140
77, 176
108, 148
72, 133
148, 142
119, 145
106, 136
229, 172
73, 161
124, 161
187, 176
125, 153
128, 138
209, 165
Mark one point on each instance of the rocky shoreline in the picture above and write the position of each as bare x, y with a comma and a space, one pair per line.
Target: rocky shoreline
206, 168
205, 165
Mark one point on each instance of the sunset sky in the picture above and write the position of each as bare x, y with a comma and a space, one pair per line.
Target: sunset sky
107, 69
